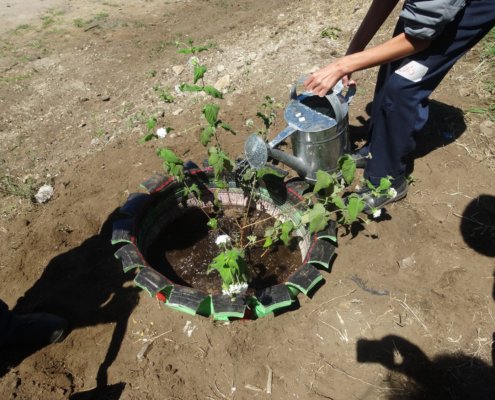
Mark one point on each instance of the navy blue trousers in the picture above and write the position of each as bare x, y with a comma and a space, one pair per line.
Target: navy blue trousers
400, 106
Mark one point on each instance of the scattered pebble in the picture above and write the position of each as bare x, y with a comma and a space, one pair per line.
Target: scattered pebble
161, 132
407, 262
178, 69
44, 194
223, 83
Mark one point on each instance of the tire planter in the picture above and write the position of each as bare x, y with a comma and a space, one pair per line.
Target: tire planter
145, 215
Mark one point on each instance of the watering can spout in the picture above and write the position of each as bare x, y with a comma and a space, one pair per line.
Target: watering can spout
291, 161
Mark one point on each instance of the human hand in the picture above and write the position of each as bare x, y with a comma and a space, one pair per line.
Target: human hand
323, 80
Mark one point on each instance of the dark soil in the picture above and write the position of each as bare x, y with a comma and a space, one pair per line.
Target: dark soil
186, 247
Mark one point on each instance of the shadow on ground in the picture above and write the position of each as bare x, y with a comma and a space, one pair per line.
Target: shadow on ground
86, 285
445, 124
413, 376
478, 225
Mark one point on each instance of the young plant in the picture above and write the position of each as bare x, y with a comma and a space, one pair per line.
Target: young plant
232, 267
190, 48
267, 115
199, 71
152, 133
163, 94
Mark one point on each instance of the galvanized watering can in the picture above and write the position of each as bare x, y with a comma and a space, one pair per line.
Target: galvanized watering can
318, 128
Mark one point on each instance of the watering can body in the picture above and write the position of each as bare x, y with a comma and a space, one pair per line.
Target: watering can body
318, 128
321, 146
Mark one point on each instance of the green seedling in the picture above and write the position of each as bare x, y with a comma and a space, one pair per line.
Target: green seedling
331, 33
199, 71
233, 269
164, 94
190, 48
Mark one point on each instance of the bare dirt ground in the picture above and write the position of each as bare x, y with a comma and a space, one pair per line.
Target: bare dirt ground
77, 83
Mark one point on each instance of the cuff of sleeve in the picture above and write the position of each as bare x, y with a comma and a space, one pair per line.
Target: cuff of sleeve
421, 31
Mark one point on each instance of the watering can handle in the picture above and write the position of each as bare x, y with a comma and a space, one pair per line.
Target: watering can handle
340, 103
337, 89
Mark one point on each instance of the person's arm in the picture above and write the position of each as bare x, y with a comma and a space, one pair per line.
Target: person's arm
398, 47
357, 59
374, 19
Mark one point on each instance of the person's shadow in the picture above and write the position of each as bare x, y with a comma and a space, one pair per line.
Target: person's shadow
86, 286
445, 377
445, 124
478, 225
451, 377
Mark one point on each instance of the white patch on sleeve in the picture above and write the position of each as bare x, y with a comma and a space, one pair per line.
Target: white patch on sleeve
412, 71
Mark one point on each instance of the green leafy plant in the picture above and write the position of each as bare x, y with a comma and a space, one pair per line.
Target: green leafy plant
233, 269
190, 48
199, 71
172, 164
267, 115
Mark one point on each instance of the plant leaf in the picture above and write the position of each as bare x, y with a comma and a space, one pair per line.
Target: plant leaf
147, 137
199, 72
151, 123
186, 87
212, 223
210, 111
206, 135
268, 242
348, 168
169, 156
355, 205
338, 202
286, 230
385, 184
212, 92
268, 171
317, 218
323, 181
195, 189
228, 128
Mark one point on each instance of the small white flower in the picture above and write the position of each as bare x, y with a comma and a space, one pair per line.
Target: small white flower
377, 213
235, 288
222, 239
161, 132
392, 193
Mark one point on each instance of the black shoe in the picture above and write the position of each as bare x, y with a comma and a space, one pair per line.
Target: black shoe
374, 203
36, 329
361, 157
